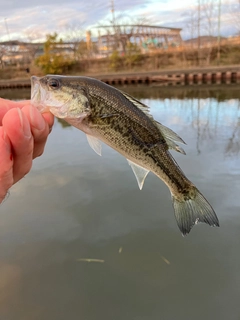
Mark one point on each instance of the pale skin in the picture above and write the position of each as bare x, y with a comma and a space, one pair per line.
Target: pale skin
23, 134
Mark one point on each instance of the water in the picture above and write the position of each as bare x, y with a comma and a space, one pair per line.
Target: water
75, 205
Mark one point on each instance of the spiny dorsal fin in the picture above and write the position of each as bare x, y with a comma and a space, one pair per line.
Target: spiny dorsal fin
138, 104
171, 137
139, 172
95, 144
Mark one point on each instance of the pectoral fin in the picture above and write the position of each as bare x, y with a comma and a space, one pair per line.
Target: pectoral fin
95, 144
139, 172
110, 115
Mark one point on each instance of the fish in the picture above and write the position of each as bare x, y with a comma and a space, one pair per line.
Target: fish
109, 115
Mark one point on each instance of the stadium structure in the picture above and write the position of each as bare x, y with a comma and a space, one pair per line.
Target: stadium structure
146, 37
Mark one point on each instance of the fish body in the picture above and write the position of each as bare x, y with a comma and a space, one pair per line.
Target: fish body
109, 115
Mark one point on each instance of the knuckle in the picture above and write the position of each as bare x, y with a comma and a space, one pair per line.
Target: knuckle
38, 153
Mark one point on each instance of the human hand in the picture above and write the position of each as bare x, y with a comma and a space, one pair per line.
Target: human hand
23, 134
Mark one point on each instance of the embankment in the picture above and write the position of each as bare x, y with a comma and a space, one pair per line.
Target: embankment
211, 75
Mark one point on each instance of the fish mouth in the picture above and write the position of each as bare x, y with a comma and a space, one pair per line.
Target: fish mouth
40, 100
35, 88
37, 94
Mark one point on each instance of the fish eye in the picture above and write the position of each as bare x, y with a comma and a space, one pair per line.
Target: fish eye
54, 83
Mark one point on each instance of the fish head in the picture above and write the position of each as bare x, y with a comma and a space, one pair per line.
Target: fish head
65, 97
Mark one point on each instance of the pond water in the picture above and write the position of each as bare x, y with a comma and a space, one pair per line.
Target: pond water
75, 205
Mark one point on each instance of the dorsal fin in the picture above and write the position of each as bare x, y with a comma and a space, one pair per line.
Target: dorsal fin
138, 104
171, 137
139, 172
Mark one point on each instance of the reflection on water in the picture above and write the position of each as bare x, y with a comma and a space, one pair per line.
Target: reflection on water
207, 119
15, 94
75, 206
233, 145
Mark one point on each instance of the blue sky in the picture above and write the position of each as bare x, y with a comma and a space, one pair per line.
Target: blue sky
34, 19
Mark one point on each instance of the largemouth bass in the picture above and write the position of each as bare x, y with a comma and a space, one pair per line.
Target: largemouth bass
107, 114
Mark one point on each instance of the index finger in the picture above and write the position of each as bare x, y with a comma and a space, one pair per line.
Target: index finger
6, 105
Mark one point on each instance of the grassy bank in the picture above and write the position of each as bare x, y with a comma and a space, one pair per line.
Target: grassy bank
136, 62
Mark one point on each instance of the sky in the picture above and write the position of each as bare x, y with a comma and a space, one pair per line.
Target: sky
31, 20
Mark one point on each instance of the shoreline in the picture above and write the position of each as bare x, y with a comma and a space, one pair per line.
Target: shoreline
189, 76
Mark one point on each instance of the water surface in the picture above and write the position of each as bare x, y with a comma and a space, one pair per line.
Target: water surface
76, 205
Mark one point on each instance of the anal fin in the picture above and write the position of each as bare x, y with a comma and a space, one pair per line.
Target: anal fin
139, 172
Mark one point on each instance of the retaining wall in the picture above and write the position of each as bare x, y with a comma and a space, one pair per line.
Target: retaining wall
186, 77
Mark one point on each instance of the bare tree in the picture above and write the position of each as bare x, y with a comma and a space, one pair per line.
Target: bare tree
31, 44
75, 36
199, 28
120, 30
192, 24
3, 52
209, 18
235, 16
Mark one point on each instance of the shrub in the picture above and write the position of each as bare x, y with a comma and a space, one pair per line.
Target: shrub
52, 61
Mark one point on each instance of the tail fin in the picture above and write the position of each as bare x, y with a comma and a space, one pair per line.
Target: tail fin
193, 210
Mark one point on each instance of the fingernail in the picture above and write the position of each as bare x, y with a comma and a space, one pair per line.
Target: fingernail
24, 124
37, 120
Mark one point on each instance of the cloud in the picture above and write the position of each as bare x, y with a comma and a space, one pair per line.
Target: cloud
42, 17
50, 16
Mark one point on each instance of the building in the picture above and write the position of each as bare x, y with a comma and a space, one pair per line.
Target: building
23, 53
147, 37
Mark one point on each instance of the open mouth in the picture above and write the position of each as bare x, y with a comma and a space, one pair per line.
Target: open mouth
35, 90
37, 94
